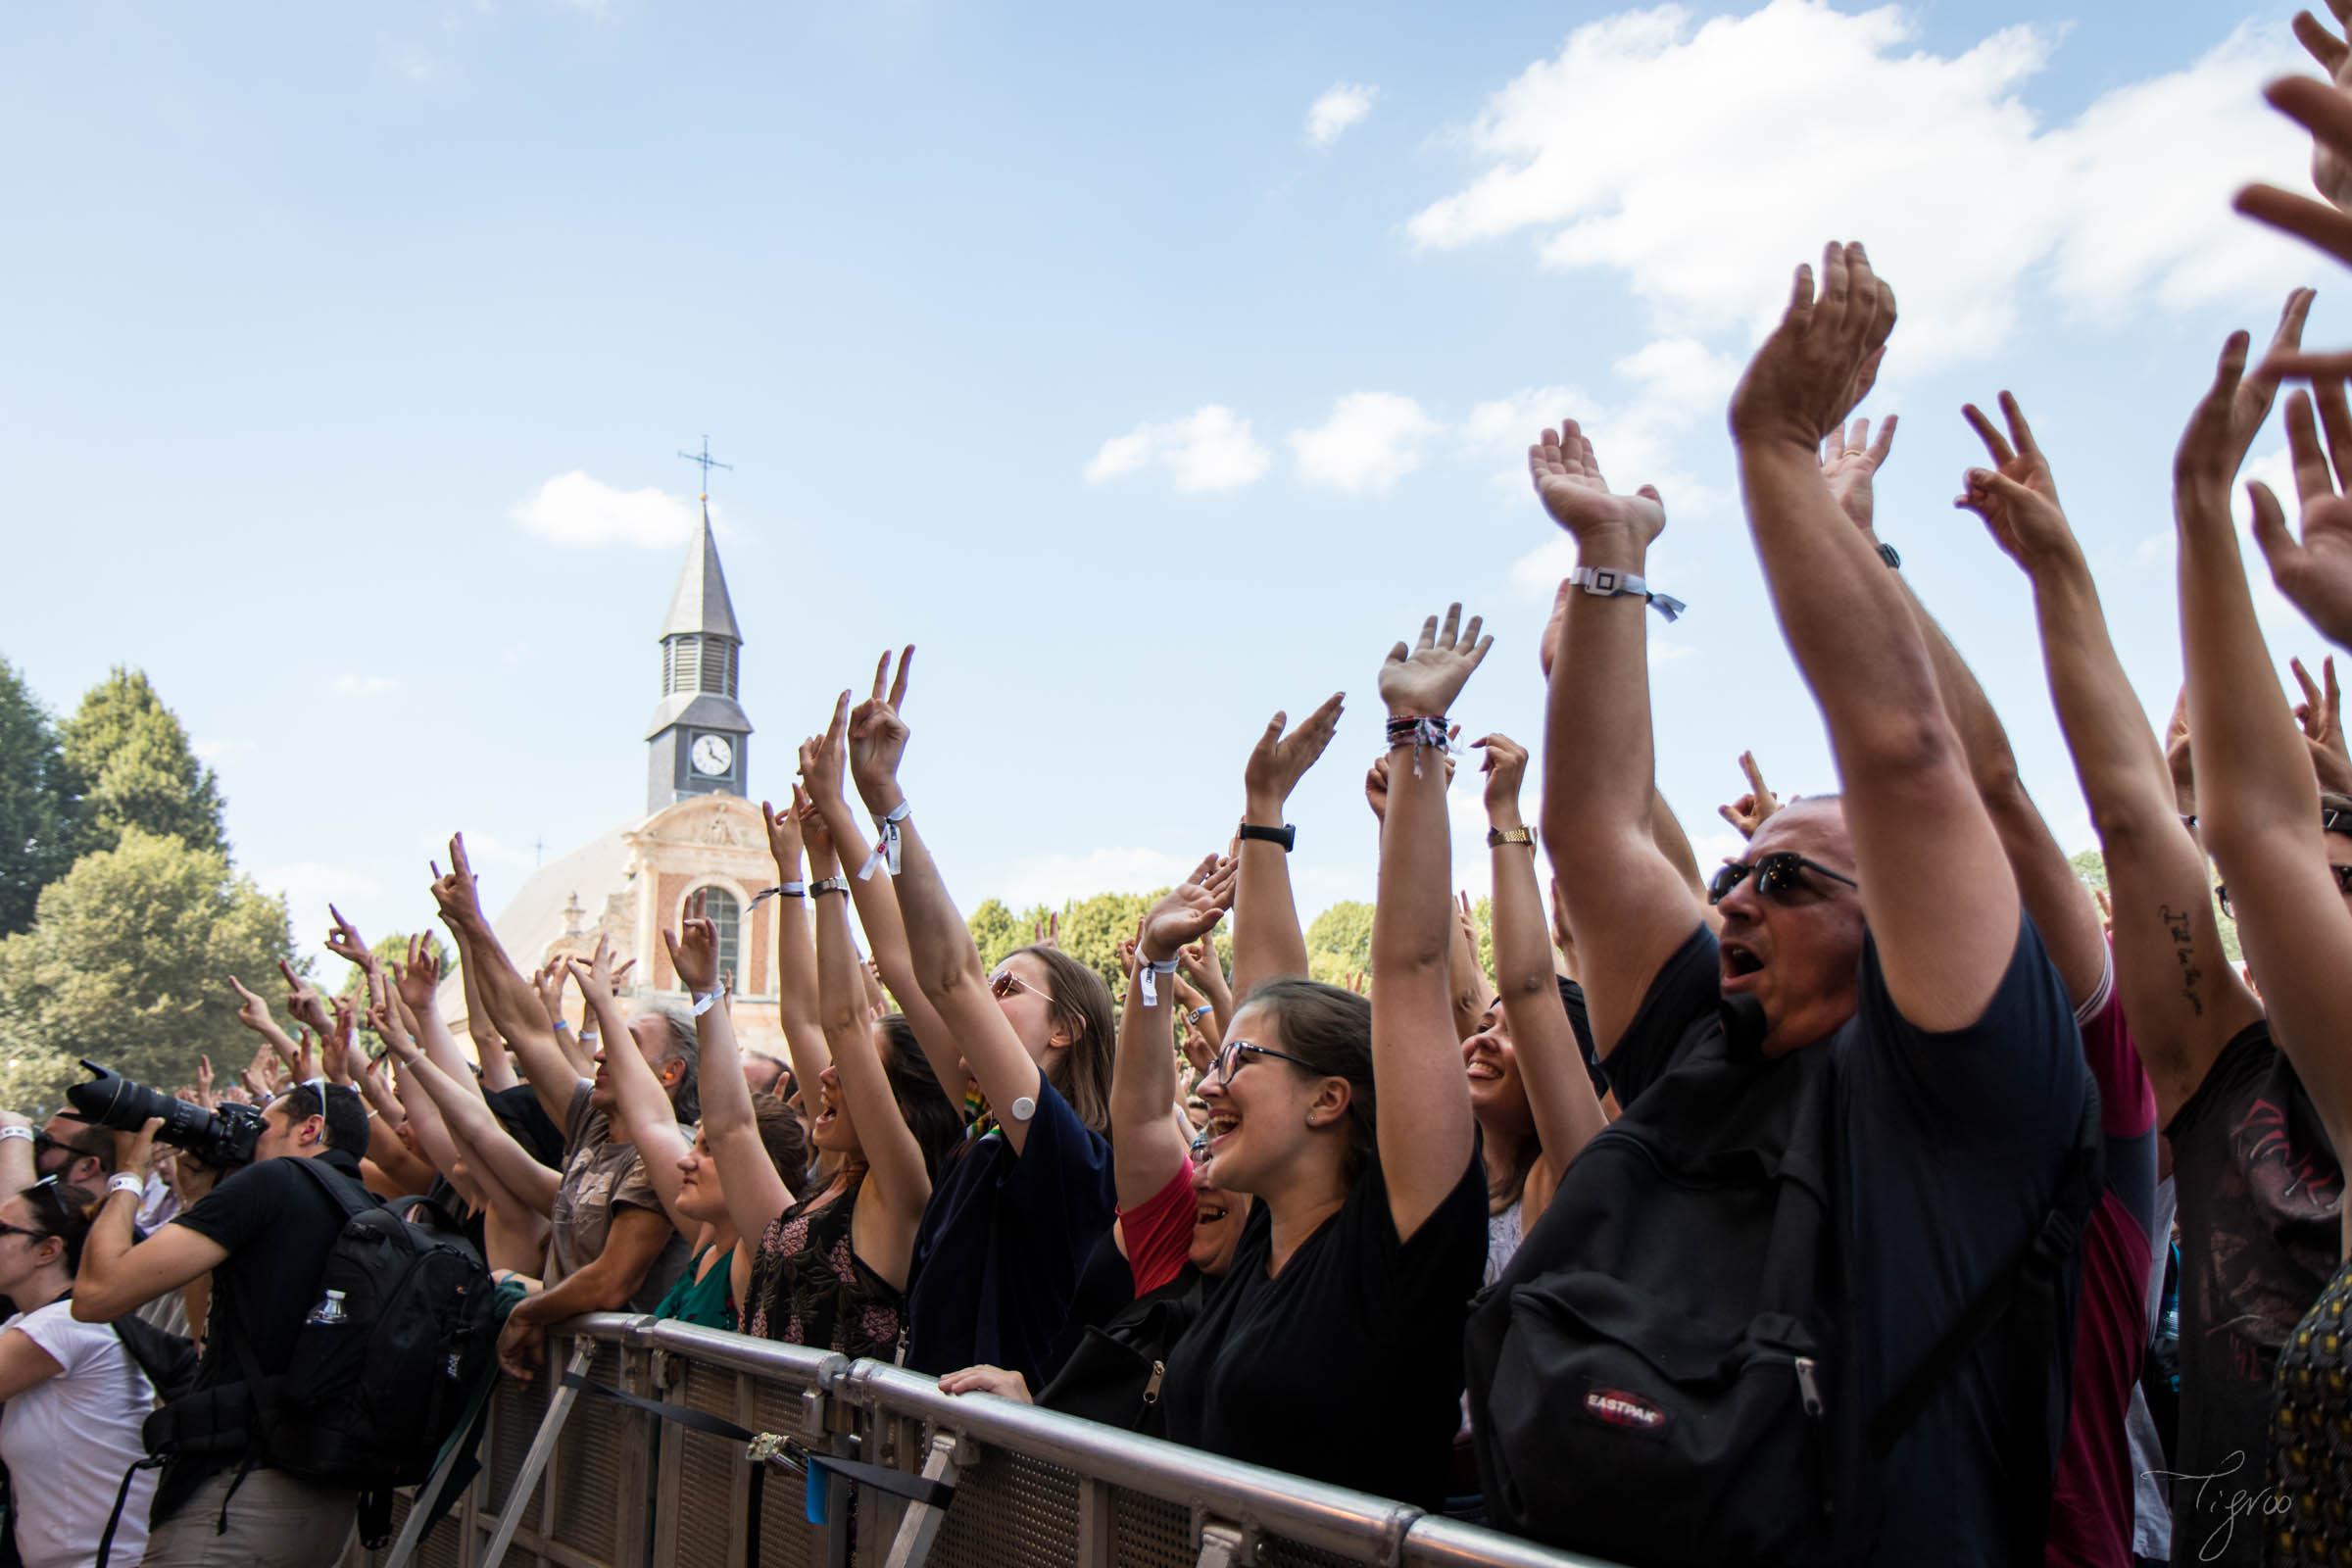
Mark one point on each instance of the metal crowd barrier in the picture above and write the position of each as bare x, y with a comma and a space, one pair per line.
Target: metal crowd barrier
574, 1480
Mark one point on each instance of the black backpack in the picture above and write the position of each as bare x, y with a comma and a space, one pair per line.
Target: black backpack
382, 1369
1657, 1378
1115, 1374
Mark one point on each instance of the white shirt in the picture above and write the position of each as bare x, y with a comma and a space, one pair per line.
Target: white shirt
66, 1442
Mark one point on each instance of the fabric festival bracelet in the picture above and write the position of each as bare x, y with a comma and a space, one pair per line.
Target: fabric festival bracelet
888, 849
1418, 732
1147, 977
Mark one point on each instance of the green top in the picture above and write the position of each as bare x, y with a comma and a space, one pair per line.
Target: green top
700, 1298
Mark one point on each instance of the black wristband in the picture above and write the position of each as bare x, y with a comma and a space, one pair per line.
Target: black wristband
1886, 553
1286, 835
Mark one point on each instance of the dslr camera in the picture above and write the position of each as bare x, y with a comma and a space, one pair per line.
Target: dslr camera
223, 1138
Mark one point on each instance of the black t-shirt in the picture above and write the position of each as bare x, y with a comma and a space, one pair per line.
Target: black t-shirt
1345, 1367
278, 1226
1952, 1145
518, 1107
2261, 1201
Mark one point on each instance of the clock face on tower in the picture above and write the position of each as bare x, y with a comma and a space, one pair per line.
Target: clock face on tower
712, 755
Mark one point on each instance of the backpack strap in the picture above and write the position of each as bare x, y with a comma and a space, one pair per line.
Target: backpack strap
353, 1198
2032, 1289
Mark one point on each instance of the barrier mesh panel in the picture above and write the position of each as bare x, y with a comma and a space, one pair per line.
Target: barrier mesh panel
1279, 1551
1151, 1533
708, 1472
785, 1538
1010, 1511
518, 1410
588, 1461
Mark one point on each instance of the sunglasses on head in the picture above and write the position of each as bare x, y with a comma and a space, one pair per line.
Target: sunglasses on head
1780, 875
2343, 885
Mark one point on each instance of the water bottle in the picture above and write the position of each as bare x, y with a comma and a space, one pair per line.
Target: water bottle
329, 1313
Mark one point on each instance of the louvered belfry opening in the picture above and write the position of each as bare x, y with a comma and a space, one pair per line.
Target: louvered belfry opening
695, 663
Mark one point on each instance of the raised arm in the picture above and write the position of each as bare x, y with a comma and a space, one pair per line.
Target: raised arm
1206, 970
1922, 838
1146, 1150
1627, 905
489, 1046
512, 1002
641, 1105
2046, 882
947, 965
895, 1173
755, 1190
788, 831
2179, 992
875, 889
1559, 1092
1422, 1115
470, 1121
1268, 943
2258, 806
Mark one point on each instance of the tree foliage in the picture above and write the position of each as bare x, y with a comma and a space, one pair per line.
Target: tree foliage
130, 762
1338, 942
36, 803
126, 964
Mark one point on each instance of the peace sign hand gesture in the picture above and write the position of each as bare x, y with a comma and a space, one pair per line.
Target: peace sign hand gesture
878, 737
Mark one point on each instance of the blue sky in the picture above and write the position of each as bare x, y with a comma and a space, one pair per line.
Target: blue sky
1070, 342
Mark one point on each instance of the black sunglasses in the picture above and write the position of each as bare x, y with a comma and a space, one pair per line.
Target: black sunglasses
44, 1195
1229, 1058
1779, 875
42, 1142
2343, 885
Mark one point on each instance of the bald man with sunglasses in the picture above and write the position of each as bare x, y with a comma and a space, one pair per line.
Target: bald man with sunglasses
1846, 1114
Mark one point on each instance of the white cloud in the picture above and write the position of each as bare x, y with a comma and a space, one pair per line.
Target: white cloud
1935, 158
1209, 448
206, 751
573, 509
1372, 440
1057, 879
1342, 105
1674, 385
356, 685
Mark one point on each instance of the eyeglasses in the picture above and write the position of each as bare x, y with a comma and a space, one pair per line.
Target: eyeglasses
1779, 875
2343, 885
1230, 1055
42, 1142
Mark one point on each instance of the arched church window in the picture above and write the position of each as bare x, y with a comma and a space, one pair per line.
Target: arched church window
726, 921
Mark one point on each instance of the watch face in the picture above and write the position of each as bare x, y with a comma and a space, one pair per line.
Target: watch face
712, 755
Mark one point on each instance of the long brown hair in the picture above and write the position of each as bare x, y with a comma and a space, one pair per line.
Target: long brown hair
1331, 1031
1081, 1075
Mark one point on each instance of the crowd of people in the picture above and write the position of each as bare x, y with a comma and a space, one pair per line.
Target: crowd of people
1877, 1196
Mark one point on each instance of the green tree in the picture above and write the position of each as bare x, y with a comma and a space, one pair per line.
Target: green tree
36, 803
394, 949
1338, 942
130, 762
995, 932
126, 964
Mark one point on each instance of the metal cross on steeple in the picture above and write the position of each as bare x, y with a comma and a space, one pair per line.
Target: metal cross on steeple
707, 461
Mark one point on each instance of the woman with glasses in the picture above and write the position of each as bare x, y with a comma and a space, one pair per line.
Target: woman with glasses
74, 1399
1333, 1347
1014, 1216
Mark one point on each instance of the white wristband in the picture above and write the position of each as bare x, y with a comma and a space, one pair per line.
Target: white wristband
124, 1182
6, 1132
705, 1003
1146, 972
887, 848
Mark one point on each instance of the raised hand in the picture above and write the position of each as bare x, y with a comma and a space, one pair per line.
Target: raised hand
2017, 501
784, 842
878, 737
2325, 109
1568, 481
1849, 464
334, 1056
693, 952
456, 892
1188, 911
343, 940
822, 756
1751, 810
2330, 165
1467, 918
1822, 357
305, 1056
1423, 681
1506, 766
303, 1000
547, 982
2315, 572
1279, 760
204, 1083
421, 976
1047, 933
252, 1011
1199, 959
2322, 715
1126, 952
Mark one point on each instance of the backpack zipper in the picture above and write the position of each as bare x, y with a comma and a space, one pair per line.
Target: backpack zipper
1807, 1387
1159, 1369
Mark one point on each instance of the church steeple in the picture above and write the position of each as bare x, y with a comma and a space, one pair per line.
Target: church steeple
697, 737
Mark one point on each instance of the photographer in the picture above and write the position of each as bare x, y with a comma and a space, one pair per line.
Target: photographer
263, 1234
75, 1398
